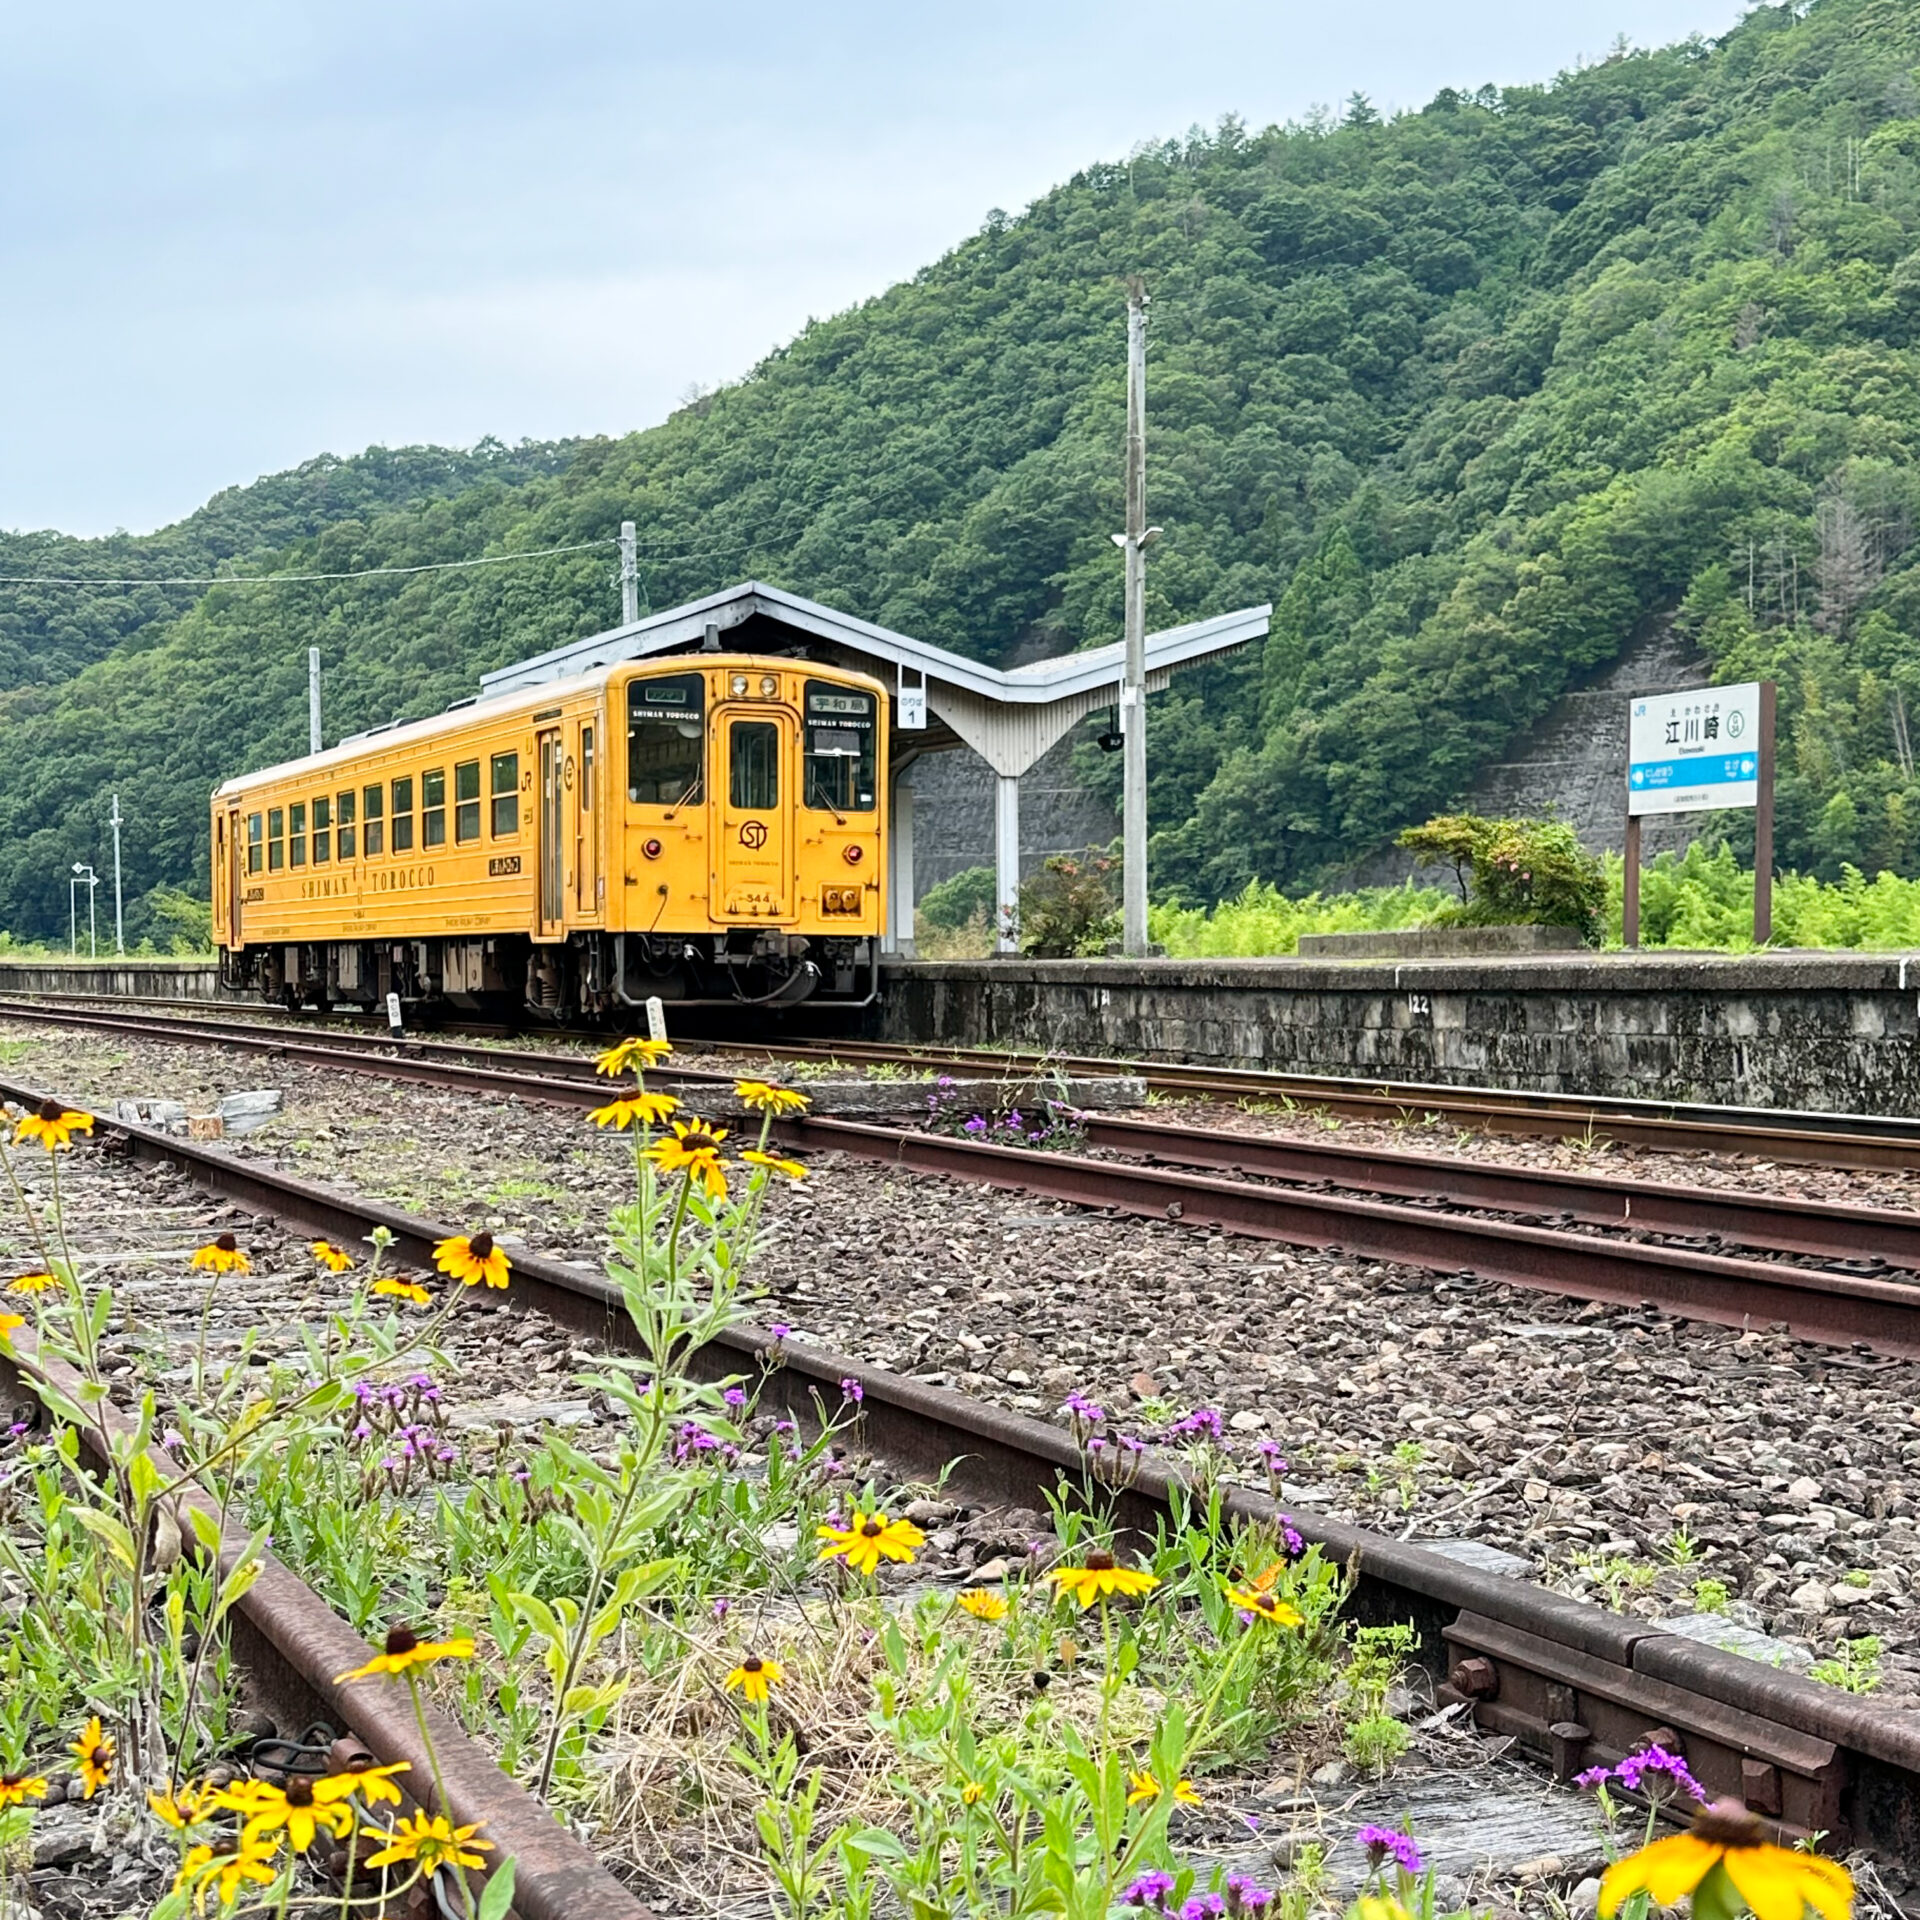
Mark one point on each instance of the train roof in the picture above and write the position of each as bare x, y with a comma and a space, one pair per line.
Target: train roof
504, 705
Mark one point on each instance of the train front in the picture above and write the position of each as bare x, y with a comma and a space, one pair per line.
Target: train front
755, 831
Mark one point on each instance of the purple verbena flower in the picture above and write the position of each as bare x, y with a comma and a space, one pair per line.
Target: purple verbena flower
1633, 1770
1203, 1906
1203, 1420
1382, 1842
735, 1396
1150, 1890
853, 1390
1246, 1898
1082, 1408
722, 1607
779, 1330
1593, 1777
975, 1125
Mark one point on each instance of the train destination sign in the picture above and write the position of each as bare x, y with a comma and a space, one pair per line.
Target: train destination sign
1692, 750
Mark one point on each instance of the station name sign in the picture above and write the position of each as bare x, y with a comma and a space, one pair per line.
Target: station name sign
1693, 750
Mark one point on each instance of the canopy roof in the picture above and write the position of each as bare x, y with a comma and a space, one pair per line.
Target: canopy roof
1009, 715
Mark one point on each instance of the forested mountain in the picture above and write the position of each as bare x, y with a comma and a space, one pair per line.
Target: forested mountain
1472, 393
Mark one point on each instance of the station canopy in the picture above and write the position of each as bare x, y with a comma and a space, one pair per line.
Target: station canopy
940, 700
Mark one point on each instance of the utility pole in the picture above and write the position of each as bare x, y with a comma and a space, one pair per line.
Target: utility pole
119, 931
1133, 686
629, 575
313, 699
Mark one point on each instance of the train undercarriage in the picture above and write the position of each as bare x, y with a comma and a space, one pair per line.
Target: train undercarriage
603, 977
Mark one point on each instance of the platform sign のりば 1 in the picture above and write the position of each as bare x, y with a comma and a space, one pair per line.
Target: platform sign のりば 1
1694, 751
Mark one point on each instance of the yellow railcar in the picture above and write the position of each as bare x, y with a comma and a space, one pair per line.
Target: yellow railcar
709, 827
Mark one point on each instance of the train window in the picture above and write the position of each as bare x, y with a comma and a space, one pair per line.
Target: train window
403, 814
506, 795
586, 769
276, 839
297, 834
343, 822
754, 765
842, 737
466, 800
666, 739
254, 828
322, 831
371, 824
433, 809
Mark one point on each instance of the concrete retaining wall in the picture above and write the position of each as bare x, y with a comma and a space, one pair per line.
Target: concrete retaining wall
140, 979
1800, 1030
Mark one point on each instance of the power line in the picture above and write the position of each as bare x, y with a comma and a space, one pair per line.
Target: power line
362, 573
286, 579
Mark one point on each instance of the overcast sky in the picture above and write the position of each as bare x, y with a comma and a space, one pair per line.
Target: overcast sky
236, 235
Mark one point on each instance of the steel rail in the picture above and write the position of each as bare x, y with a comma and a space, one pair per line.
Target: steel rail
1811, 1138
1885, 1236
1817, 1138
1576, 1684
1827, 1308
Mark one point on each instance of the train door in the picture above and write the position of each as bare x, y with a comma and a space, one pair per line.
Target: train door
751, 850
235, 875
586, 821
553, 842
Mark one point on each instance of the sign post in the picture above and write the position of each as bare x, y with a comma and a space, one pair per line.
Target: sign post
1696, 751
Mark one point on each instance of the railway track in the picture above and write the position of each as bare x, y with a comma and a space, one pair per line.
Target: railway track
1573, 1684
1781, 1135
1833, 1280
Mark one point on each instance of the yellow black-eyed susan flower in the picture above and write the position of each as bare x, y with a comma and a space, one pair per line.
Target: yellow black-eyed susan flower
227, 1870
695, 1151
8, 1322
762, 1096
972, 1794
334, 1259
648, 1109
867, 1539
375, 1784
222, 1255
755, 1678
472, 1258
983, 1603
773, 1162
410, 1290
1778, 1883
303, 1807
432, 1841
94, 1751
52, 1125
16, 1789
634, 1052
33, 1283
405, 1650
186, 1805
1265, 1606
1101, 1577
1142, 1787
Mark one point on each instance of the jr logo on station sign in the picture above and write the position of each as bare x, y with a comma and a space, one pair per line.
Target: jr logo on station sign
1694, 750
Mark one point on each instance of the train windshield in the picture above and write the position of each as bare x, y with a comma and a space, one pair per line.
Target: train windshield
666, 739
842, 732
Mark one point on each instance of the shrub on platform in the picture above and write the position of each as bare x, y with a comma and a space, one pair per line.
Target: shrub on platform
1514, 873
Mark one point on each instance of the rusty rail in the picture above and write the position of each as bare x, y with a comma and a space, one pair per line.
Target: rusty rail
1841, 1309
1575, 1684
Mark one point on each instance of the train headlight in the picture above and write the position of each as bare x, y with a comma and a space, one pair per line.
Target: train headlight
853, 855
651, 848
738, 685
769, 684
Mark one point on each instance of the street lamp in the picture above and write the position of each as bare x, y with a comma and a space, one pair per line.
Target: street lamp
83, 876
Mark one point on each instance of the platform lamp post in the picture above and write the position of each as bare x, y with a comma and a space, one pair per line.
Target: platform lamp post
83, 876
